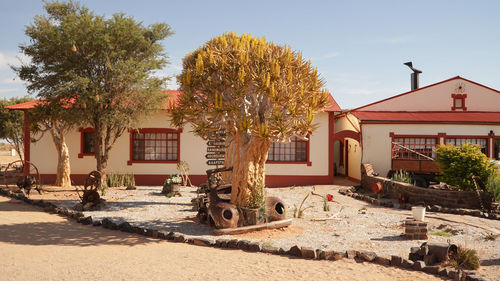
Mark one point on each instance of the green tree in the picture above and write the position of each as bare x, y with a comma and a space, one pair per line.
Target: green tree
12, 124
459, 163
104, 65
258, 92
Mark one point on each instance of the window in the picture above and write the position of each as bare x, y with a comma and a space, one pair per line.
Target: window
458, 101
87, 142
497, 149
414, 148
482, 142
155, 145
294, 151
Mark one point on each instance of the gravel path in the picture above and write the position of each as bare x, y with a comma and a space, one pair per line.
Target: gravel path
356, 225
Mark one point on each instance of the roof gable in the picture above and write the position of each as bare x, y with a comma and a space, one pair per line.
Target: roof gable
438, 97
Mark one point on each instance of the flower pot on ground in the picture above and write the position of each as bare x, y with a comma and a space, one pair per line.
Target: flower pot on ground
172, 185
253, 216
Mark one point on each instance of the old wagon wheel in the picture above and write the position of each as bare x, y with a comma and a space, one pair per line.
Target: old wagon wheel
15, 170
90, 187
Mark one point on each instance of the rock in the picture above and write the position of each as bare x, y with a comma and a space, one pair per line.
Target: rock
270, 250
86, 220
444, 272
221, 243
283, 252
106, 223
382, 261
254, 247
179, 238
418, 265
170, 236
350, 254
162, 235
308, 253
97, 223
131, 187
243, 244
48, 208
88, 206
232, 244
414, 256
432, 269
295, 251
407, 264
366, 256
202, 242
436, 208
125, 227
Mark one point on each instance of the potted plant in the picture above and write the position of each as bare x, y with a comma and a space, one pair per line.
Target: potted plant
255, 211
172, 185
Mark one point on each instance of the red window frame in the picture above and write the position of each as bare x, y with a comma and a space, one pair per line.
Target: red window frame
82, 142
414, 142
485, 150
461, 98
277, 148
155, 131
496, 148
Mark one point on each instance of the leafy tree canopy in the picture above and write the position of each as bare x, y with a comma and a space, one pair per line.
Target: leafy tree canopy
247, 85
12, 124
104, 66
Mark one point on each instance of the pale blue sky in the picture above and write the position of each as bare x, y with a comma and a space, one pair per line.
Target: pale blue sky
358, 46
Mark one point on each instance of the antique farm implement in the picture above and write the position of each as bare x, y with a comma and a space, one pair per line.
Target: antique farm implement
90, 189
214, 208
14, 176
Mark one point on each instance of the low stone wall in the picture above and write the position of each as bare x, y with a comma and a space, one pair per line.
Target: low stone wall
415, 195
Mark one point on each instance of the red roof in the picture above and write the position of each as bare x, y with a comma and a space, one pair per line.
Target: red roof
173, 98
334, 106
428, 117
24, 105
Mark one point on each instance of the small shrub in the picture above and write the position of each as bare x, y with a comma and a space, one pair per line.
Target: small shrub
442, 233
403, 176
118, 180
493, 186
459, 163
256, 199
172, 179
491, 236
465, 259
326, 206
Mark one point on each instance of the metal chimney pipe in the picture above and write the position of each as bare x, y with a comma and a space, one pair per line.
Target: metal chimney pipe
413, 76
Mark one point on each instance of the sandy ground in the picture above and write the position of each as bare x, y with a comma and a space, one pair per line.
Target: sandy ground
38, 246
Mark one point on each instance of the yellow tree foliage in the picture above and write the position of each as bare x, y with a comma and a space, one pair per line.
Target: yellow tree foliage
258, 91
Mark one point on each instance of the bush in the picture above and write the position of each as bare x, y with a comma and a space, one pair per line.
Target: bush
403, 176
493, 186
118, 180
465, 259
459, 163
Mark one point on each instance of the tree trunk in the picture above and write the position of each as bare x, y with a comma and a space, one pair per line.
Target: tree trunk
101, 158
63, 167
249, 159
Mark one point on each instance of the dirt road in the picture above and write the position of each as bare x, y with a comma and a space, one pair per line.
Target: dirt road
40, 246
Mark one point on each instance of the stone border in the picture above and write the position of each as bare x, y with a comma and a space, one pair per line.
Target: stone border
245, 245
433, 208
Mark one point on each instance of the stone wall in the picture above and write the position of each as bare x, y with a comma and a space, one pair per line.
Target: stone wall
414, 194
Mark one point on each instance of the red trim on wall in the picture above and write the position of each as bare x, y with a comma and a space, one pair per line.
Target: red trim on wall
27, 140
456, 97
153, 130
340, 136
82, 142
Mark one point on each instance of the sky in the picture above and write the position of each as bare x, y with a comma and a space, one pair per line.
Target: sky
359, 47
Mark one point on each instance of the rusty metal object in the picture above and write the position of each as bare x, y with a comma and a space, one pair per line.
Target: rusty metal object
223, 215
90, 189
13, 176
275, 209
441, 251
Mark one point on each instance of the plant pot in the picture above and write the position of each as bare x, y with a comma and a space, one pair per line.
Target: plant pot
418, 213
253, 216
172, 188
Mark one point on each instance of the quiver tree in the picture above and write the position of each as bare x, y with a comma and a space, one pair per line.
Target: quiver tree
258, 92
104, 65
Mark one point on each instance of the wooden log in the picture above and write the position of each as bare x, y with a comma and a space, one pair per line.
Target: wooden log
245, 229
